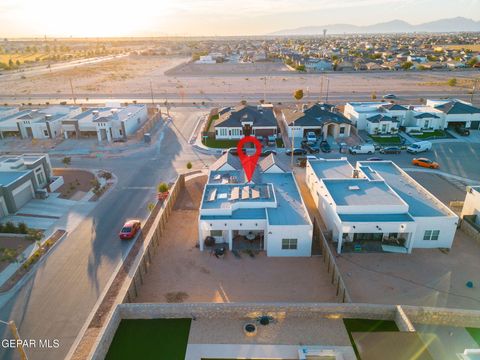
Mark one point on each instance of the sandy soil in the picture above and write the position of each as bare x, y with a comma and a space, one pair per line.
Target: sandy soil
181, 273
427, 277
130, 76
80, 180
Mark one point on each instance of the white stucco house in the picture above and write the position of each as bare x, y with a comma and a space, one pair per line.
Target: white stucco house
266, 214
457, 112
376, 206
42, 123
106, 123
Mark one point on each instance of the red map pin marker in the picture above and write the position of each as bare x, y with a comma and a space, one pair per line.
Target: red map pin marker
249, 162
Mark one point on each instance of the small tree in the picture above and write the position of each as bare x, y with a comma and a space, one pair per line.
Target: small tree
452, 82
298, 95
407, 65
189, 165
96, 185
374, 96
150, 206
67, 160
162, 187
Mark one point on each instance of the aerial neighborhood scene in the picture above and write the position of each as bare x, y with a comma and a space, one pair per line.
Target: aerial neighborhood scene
220, 180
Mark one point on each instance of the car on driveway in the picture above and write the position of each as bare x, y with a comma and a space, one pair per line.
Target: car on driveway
390, 150
462, 130
268, 152
426, 163
312, 149
130, 229
296, 151
325, 147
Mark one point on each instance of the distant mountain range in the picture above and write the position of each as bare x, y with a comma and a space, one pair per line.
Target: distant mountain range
395, 26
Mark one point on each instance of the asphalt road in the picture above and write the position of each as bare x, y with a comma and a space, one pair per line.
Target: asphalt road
56, 301
228, 98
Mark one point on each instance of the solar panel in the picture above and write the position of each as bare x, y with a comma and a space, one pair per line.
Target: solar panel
235, 194
245, 192
255, 194
213, 195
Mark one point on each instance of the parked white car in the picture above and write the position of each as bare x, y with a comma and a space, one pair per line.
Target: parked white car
362, 149
419, 147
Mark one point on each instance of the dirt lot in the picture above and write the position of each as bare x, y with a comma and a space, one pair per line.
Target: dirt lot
75, 181
425, 277
130, 76
181, 273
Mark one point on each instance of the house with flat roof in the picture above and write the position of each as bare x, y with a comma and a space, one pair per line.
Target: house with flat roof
246, 120
323, 119
20, 178
471, 205
45, 123
266, 214
376, 206
106, 123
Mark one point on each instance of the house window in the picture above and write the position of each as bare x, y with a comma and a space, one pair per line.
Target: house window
120, 132
384, 128
431, 234
216, 132
216, 233
289, 244
45, 132
342, 130
229, 132
425, 124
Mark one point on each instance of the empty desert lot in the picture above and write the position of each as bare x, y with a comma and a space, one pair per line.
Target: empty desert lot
181, 273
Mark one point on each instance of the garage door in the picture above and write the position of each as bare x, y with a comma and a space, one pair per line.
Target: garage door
475, 125
23, 197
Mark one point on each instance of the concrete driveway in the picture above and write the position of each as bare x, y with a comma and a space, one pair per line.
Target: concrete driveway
42, 214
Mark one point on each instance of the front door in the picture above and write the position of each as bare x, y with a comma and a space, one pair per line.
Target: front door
247, 130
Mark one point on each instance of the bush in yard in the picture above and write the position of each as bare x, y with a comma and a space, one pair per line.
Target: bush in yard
452, 82
10, 228
150, 207
189, 165
67, 160
162, 187
22, 228
34, 234
106, 175
96, 185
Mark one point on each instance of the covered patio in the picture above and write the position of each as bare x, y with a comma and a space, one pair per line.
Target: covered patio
376, 242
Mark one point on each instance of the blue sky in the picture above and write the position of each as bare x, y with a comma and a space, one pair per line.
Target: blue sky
211, 17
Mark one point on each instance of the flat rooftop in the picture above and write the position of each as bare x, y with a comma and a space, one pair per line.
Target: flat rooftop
108, 113
361, 192
290, 209
8, 177
420, 202
223, 196
332, 169
14, 116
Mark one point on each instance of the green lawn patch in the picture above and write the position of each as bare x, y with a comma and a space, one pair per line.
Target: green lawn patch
219, 144
153, 339
366, 325
475, 334
433, 134
386, 140
279, 143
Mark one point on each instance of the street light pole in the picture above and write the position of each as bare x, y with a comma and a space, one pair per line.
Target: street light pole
293, 141
14, 330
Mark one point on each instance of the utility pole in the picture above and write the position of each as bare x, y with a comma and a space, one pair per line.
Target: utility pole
473, 90
265, 89
151, 93
73, 93
321, 87
328, 85
293, 141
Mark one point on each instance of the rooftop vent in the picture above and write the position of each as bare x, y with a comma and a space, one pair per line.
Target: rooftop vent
355, 174
353, 188
95, 113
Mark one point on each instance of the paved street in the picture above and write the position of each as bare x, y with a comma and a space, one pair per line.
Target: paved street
57, 299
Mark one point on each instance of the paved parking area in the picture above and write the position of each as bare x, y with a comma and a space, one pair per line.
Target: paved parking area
427, 277
180, 272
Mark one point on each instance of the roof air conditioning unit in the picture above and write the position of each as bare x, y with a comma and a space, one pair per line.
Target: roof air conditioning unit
353, 188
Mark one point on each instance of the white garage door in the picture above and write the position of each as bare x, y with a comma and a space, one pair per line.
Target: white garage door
23, 196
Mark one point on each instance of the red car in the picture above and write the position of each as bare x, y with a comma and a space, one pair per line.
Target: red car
130, 229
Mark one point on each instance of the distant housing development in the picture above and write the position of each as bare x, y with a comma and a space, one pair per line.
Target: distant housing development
268, 212
376, 206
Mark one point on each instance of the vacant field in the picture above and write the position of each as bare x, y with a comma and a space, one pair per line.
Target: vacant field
473, 47
31, 57
260, 68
